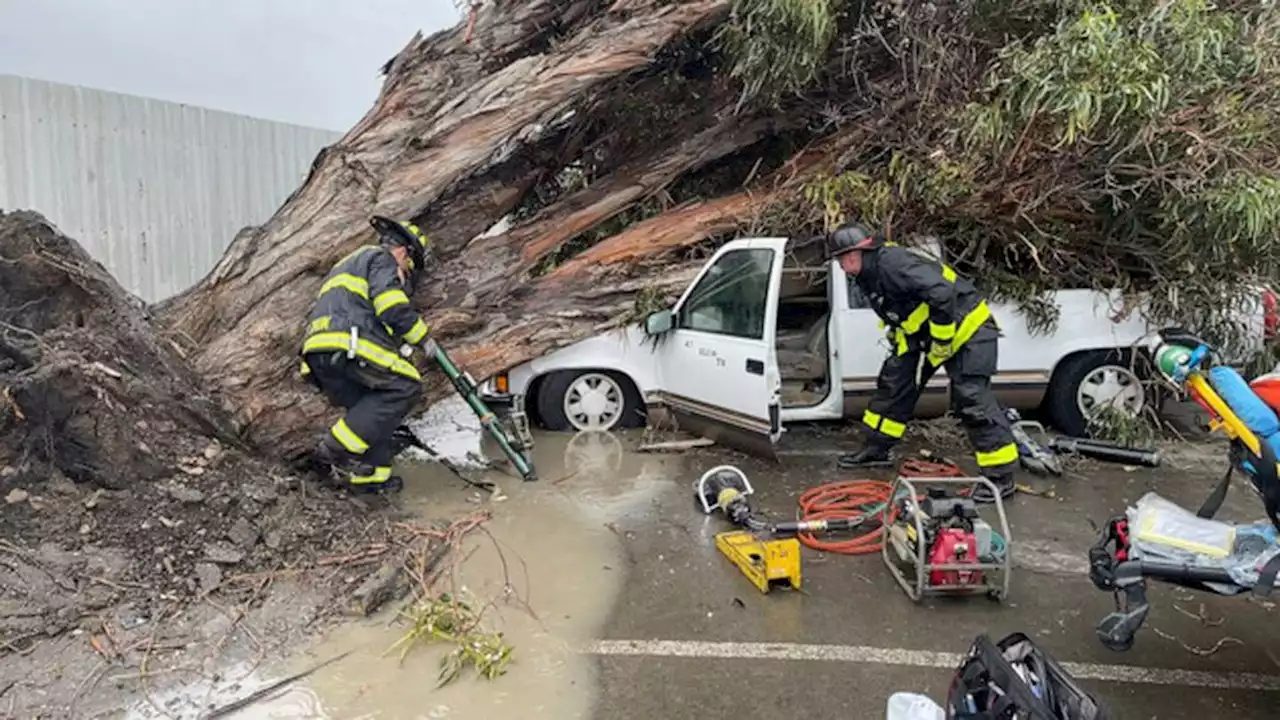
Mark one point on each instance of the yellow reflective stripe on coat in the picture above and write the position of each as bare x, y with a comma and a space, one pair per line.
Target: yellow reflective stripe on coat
348, 282
348, 438
970, 324
389, 299
380, 475
320, 324
378, 356
306, 369
963, 332
948, 274
942, 333
916, 319
1003, 456
417, 332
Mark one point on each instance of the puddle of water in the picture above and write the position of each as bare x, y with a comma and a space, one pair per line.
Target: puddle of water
557, 555
452, 430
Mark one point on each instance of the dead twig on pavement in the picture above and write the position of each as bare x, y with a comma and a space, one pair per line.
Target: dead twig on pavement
1202, 616
676, 445
1203, 652
270, 689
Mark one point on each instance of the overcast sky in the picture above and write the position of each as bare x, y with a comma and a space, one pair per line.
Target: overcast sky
310, 62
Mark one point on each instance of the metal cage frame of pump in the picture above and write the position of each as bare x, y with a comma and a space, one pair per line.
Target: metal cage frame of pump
922, 587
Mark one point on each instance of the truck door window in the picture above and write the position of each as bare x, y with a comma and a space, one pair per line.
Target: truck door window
857, 301
732, 296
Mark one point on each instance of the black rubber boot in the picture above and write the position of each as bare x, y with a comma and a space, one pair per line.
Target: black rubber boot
335, 464
1005, 483
871, 455
390, 486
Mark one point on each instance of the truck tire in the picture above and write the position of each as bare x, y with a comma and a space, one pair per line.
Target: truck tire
603, 399
1084, 379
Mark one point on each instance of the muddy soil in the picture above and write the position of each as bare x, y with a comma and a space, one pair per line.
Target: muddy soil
134, 523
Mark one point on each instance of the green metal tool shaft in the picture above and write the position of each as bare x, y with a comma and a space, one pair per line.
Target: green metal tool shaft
488, 420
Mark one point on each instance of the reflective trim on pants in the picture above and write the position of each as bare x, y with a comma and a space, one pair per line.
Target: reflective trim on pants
380, 475
1002, 456
888, 426
348, 438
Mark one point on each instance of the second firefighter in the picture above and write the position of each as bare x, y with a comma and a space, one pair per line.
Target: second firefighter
935, 318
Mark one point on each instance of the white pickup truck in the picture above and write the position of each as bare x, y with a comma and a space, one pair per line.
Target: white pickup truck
755, 343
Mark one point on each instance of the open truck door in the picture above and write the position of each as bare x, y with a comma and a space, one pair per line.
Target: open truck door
716, 350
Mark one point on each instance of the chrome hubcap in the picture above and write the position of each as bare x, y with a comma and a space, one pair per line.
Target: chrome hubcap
1110, 386
593, 402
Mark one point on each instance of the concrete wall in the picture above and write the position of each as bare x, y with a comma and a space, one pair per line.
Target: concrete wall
154, 190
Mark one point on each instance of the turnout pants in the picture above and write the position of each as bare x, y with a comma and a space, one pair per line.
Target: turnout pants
376, 401
972, 400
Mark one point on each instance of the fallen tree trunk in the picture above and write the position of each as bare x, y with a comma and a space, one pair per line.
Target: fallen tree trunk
454, 150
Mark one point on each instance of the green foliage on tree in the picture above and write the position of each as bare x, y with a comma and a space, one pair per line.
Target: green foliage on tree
1051, 143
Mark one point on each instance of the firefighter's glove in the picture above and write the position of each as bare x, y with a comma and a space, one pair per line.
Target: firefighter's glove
940, 352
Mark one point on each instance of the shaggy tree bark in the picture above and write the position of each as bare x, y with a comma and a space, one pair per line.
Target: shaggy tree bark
459, 134
455, 145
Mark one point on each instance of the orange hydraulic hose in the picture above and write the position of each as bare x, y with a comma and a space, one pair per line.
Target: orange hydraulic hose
860, 499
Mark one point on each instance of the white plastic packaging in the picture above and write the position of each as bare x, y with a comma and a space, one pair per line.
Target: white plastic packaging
913, 706
1159, 526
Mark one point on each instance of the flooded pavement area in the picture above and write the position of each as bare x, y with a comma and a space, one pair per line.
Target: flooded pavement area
549, 563
635, 614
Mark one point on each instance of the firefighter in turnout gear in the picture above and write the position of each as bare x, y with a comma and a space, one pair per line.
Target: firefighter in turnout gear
933, 318
359, 340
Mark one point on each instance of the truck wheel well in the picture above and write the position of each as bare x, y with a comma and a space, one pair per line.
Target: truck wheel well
535, 386
531, 400
1134, 357
1120, 354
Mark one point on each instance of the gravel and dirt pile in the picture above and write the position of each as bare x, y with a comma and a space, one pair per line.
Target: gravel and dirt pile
121, 479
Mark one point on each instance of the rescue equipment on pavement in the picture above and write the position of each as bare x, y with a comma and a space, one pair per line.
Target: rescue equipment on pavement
1015, 679
937, 543
766, 563
1121, 563
859, 507
726, 488
1105, 451
1032, 453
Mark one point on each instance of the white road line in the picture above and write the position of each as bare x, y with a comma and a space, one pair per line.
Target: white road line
920, 658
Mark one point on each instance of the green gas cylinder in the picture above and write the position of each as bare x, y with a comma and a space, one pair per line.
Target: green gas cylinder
1170, 357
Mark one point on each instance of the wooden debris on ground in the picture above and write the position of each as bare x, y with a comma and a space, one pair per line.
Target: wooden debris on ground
676, 445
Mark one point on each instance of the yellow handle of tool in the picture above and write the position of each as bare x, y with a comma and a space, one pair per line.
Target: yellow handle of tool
1228, 420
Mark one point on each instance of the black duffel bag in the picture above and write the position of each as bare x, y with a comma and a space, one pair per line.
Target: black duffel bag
1015, 680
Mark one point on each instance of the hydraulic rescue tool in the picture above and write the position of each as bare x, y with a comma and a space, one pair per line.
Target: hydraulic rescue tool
937, 543
1032, 452
766, 563
1105, 451
517, 451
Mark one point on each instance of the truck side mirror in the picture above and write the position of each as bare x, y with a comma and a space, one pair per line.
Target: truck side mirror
658, 322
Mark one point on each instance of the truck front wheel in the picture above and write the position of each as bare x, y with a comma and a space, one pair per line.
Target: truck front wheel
577, 400
1086, 382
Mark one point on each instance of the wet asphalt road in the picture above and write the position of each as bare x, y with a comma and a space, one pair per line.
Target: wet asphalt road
679, 588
